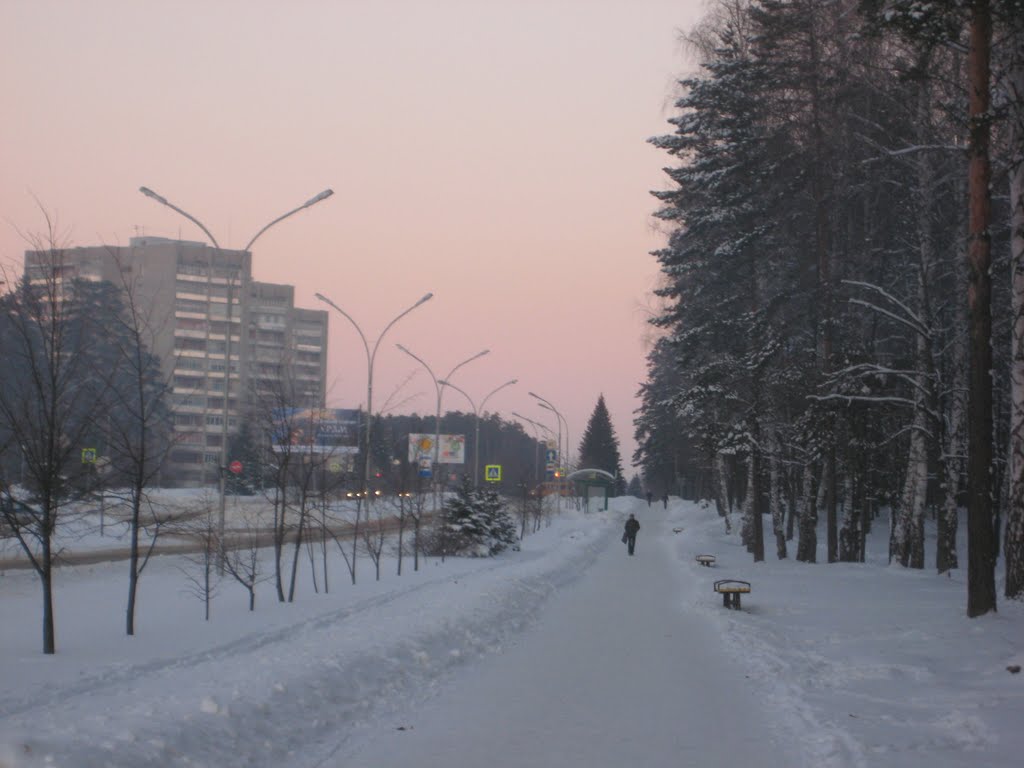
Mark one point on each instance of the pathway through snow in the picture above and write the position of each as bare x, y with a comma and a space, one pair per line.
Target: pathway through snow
619, 670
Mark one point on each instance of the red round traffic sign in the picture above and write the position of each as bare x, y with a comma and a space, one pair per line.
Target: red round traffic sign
236, 467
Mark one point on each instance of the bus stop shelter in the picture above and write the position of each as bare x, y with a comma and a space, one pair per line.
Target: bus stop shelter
594, 486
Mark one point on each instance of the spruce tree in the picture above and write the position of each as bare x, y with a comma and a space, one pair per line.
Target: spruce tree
599, 448
476, 522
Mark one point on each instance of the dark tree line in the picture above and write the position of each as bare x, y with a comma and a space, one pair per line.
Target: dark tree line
840, 328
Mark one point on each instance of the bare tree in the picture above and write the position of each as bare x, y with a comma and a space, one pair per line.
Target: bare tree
347, 519
374, 533
242, 558
204, 529
137, 427
51, 337
277, 423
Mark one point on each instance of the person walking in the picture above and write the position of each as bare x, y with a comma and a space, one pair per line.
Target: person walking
664, 501
629, 535
650, 498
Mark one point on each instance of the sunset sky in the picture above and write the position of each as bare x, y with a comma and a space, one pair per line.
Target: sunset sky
490, 151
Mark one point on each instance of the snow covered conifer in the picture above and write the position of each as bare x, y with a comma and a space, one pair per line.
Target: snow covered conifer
476, 523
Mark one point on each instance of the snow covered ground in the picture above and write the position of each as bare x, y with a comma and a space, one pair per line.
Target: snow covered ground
566, 653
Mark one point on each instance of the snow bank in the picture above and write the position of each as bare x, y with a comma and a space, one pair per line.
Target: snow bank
871, 664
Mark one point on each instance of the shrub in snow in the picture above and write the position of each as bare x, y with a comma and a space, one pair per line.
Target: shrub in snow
474, 523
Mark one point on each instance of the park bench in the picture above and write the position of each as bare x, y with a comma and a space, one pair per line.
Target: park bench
706, 560
730, 590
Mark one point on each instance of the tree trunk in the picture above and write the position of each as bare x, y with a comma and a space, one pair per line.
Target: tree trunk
754, 507
981, 554
355, 537
850, 533
133, 552
46, 575
1013, 544
832, 512
297, 552
775, 494
133, 572
722, 487
279, 529
908, 544
807, 547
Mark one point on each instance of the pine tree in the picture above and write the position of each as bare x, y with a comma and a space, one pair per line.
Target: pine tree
476, 522
599, 448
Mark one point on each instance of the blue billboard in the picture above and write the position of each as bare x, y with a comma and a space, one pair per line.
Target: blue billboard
316, 430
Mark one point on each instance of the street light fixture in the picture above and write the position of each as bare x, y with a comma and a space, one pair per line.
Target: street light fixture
439, 388
536, 457
227, 337
370, 358
476, 414
547, 404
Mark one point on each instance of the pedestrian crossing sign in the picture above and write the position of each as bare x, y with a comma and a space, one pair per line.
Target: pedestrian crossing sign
492, 473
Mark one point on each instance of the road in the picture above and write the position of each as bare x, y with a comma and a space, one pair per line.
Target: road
182, 544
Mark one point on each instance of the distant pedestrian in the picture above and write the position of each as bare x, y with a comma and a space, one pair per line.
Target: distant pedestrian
650, 498
664, 501
629, 534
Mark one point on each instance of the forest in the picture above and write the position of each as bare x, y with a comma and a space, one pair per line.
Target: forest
839, 334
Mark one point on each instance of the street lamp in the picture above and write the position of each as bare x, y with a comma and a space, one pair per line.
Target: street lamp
547, 404
562, 420
439, 388
370, 358
536, 457
227, 334
476, 414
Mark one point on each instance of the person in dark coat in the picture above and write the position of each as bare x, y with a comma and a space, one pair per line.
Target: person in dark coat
629, 535
650, 498
664, 501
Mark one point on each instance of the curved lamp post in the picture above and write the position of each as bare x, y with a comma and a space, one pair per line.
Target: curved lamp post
370, 358
439, 388
476, 414
536, 457
561, 419
227, 334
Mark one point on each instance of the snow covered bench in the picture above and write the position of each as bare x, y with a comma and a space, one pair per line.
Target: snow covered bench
730, 590
706, 560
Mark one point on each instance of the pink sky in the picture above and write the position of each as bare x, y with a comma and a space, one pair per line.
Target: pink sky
492, 152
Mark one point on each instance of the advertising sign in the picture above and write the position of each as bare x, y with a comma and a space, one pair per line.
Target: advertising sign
316, 430
453, 448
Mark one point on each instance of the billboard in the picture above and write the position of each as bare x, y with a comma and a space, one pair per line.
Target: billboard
453, 448
316, 430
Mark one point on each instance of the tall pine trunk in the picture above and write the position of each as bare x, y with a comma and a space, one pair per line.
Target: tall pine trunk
752, 513
722, 490
775, 495
1013, 544
955, 433
807, 546
981, 551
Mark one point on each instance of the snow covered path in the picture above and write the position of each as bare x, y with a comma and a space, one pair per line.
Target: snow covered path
618, 671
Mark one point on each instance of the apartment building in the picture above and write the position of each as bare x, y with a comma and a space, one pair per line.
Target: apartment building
221, 337
287, 347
